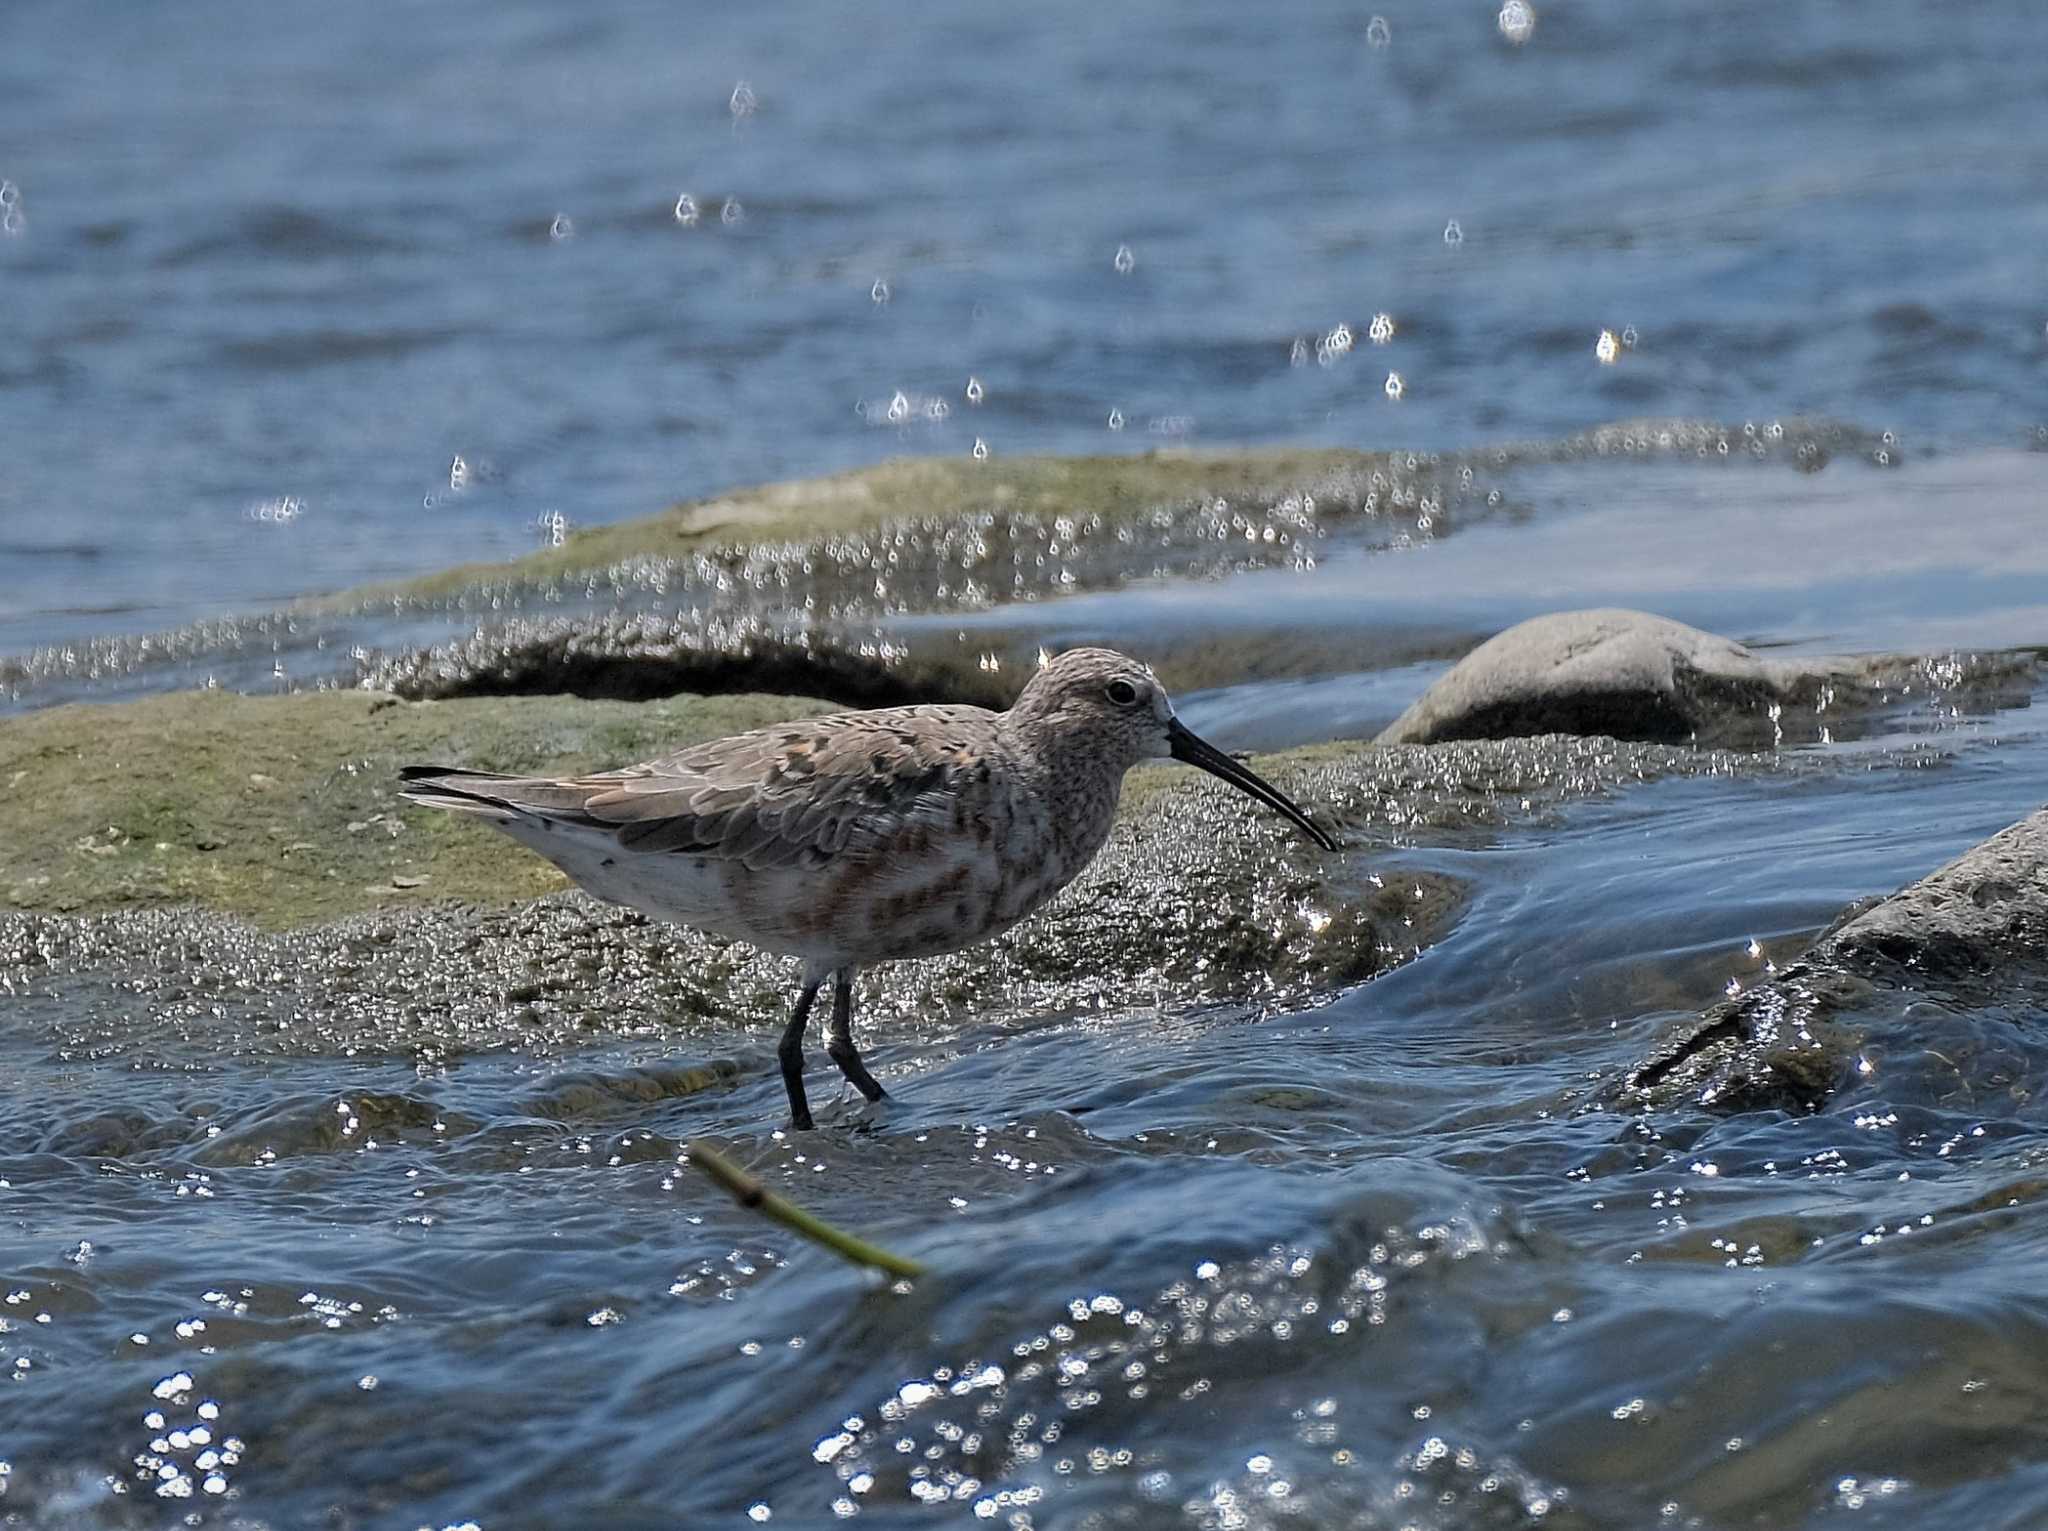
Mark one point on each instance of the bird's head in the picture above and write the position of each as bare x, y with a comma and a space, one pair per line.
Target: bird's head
1112, 709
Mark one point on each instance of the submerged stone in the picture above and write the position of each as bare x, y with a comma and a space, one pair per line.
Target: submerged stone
1974, 933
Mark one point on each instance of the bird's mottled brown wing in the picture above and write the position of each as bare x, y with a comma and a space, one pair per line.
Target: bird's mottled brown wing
839, 787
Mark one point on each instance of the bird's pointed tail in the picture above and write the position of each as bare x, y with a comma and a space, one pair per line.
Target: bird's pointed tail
453, 788
494, 795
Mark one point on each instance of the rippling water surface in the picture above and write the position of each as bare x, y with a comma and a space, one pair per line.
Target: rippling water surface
280, 267
1371, 1263
294, 297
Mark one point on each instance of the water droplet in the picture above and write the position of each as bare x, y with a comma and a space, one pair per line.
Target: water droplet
879, 293
937, 409
686, 211
1453, 235
562, 227
1377, 33
974, 390
278, 512
1607, 348
458, 473
1297, 355
1628, 338
732, 212
10, 194
1395, 387
742, 101
899, 408
1116, 419
1339, 340
1382, 329
1517, 21
12, 222
1125, 262
980, 450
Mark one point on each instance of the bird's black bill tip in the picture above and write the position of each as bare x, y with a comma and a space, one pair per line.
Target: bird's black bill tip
1187, 746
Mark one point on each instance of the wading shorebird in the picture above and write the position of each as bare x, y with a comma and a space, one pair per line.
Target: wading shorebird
860, 837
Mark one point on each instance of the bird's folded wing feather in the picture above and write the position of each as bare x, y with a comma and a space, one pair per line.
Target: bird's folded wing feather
836, 788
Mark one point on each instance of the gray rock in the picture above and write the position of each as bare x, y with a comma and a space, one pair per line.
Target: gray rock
1975, 932
1977, 917
1632, 675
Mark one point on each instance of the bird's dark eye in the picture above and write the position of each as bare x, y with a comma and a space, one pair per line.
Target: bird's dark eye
1121, 692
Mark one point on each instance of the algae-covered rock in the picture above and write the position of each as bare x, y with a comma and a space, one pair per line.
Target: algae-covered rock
1633, 675
281, 809
784, 587
309, 894
1975, 931
1119, 490
1123, 492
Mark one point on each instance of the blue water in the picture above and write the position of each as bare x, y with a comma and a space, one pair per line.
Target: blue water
302, 255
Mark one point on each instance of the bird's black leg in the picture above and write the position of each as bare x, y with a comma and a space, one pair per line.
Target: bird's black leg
840, 1048
790, 1053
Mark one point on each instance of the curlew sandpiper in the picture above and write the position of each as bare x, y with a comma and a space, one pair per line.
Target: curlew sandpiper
861, 837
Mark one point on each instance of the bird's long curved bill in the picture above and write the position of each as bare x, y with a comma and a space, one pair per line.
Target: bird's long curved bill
1185, 745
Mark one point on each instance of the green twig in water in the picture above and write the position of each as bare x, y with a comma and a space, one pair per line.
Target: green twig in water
756, 1197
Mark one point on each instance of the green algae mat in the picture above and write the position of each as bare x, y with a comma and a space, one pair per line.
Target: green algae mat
283, 810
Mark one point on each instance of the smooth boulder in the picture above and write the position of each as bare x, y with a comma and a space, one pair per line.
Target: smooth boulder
1633, 675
